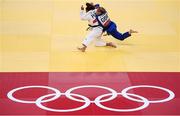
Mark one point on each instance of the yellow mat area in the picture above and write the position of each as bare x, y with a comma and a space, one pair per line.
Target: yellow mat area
42, 35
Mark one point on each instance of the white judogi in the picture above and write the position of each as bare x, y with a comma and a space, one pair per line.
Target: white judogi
96, 32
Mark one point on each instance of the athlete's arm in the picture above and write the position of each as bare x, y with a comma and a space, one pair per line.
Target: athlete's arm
83, 15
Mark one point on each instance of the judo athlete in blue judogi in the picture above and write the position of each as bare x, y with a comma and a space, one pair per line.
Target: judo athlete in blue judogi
109, 26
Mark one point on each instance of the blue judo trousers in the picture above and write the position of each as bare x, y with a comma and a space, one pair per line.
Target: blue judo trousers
111, 29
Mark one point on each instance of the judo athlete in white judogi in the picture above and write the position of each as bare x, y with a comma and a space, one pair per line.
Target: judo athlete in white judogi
95, 29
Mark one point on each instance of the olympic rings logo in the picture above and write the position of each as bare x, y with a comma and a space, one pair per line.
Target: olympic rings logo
98, 100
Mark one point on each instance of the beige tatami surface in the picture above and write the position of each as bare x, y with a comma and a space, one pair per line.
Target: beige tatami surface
42, 35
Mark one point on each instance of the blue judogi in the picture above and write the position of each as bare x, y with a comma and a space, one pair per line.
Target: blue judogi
111, 28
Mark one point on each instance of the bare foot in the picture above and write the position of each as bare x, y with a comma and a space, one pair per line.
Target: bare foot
82, 49
111, 45
132, 31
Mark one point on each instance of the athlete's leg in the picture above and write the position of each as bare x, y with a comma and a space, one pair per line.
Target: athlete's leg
119, 35
96, 32
101, 43
112, 30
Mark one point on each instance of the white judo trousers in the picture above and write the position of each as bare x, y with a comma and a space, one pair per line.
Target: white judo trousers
96, 32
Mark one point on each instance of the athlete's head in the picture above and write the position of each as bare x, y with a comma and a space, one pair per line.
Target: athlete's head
96, 6
89, 6
100, 11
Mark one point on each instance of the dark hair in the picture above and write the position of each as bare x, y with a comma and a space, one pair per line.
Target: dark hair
102, 10
89, 7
